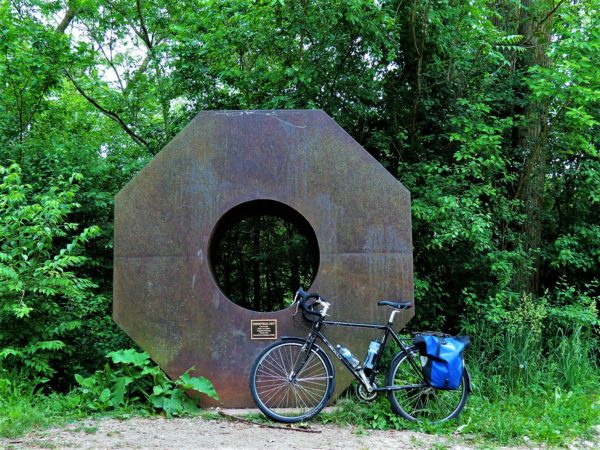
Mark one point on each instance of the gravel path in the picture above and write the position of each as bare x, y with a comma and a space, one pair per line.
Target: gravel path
200, 433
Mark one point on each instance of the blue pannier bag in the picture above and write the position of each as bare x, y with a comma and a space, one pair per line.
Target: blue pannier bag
444, 366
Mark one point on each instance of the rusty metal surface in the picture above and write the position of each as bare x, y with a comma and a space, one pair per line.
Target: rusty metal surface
165, 296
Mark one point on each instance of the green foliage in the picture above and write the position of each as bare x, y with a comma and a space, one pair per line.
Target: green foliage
39, 290
533, 362
540, 386
534, 368
23, 407
32, 56
487, 113
464, 215
543, 342
131, 379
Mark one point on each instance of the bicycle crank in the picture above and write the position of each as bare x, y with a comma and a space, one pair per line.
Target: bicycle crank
365, 395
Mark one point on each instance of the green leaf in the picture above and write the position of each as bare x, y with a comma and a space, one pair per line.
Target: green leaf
129, 356
104, 395
172, 406
157, 401
198, 384
119, 390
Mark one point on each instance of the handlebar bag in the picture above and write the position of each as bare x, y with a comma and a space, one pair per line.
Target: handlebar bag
444, 366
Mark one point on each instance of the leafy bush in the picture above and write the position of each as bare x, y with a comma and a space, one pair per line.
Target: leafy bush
536, 339
40, 294
131, 379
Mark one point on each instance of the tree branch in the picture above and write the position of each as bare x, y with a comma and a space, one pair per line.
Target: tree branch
537, 26
69, 16
147, 38
142, 33
110, 114
552, 11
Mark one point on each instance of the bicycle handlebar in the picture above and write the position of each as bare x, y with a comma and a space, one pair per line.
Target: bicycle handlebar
303, 297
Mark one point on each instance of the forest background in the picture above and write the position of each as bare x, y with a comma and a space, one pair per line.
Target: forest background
487, 111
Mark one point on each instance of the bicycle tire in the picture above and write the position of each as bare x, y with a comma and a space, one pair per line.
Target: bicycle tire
291, 401
424, 403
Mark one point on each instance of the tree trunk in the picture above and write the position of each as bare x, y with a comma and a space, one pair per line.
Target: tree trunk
535, 26
256, 269
294, 260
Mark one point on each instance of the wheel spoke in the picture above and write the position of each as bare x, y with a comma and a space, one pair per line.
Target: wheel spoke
285, 399
421, 402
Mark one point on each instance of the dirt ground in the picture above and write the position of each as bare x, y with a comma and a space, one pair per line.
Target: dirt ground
200, 433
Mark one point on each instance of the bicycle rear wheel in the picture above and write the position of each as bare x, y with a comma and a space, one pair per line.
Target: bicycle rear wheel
424, 402
291, 399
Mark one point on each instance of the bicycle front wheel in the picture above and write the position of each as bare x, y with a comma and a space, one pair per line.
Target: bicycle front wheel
281, 393
422, 402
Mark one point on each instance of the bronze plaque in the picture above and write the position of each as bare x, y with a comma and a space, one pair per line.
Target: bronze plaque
264, 329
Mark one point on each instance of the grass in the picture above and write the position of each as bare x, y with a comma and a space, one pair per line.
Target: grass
552, 418
540, 416
22, 409
543, 417
526, 391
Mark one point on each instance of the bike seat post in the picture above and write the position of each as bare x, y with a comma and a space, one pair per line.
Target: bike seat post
392, 316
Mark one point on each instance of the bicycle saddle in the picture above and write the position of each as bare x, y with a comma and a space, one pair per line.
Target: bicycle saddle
395, 305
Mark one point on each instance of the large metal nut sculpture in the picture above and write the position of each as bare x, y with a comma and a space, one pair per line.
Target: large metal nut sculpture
165, 296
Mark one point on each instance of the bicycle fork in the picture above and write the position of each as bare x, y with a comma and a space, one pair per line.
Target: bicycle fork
298, 368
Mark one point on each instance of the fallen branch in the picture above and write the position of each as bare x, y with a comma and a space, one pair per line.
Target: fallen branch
265, 425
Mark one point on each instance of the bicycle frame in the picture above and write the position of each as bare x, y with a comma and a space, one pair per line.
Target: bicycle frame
293, 379
316, 333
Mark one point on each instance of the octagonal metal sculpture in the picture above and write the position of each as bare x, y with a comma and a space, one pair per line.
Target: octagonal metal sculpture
165, 295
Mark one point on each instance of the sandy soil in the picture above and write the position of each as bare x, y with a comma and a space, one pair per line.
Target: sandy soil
199, 433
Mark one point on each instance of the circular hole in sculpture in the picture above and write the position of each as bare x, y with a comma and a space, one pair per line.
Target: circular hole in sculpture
261, 252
